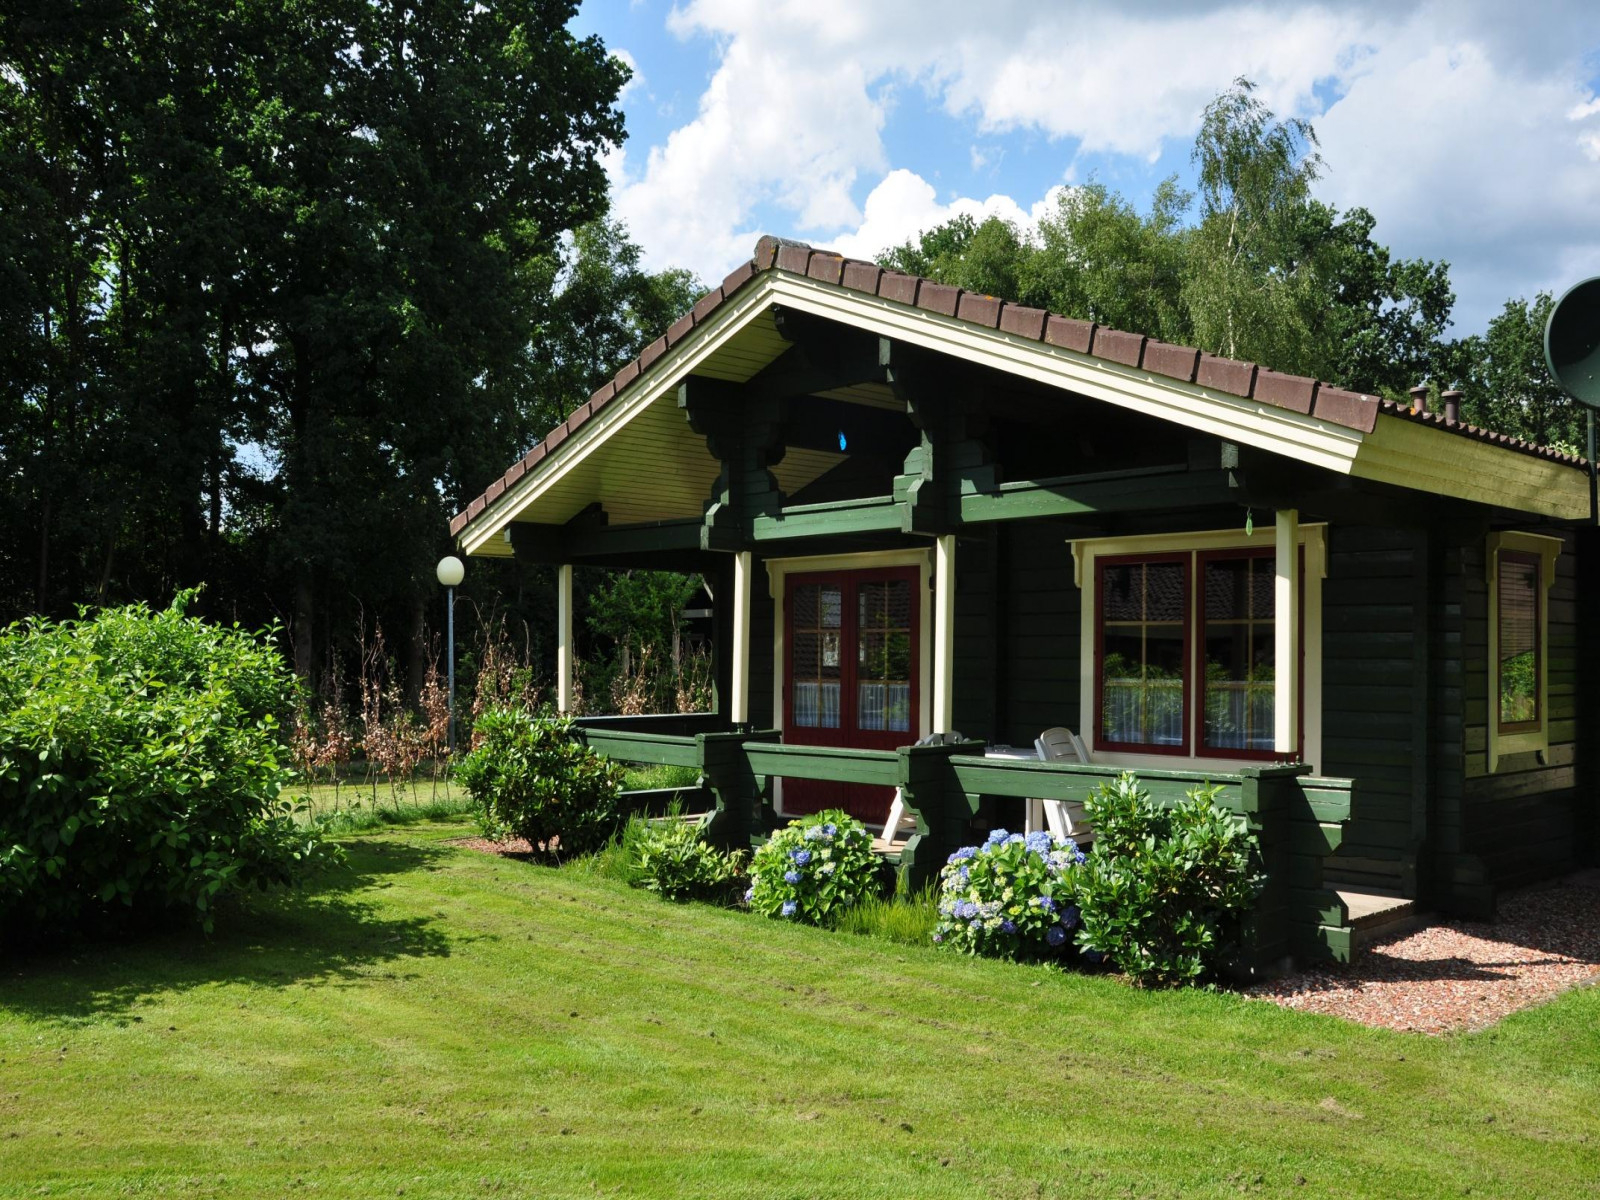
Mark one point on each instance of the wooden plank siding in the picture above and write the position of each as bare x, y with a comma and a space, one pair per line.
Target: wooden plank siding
1017, 652
1370, 616
1521, 823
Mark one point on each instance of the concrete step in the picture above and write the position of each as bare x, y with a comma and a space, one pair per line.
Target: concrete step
1378, 916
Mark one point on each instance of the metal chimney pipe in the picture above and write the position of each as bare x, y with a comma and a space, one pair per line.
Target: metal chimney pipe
1419, 397
1452, 407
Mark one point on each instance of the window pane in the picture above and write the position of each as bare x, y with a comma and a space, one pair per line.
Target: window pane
1519, 639
1240, 644
814, 642
1142, 653
883, 656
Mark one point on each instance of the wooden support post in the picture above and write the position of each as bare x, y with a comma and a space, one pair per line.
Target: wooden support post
1286, 626
944, 633
564, 637
739, 706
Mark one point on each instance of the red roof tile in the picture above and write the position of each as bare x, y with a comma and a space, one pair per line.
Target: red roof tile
1294, 392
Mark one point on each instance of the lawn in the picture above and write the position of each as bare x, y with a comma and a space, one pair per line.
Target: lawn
435, 1022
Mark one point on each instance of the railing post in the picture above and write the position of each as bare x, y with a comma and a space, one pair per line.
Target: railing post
743, 804
944, 633
739, 702
1286, 630
943, 811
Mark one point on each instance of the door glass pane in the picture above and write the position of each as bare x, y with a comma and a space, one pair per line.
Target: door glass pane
1240, 645
883, 656
1518, 602
1142, 653
814, 642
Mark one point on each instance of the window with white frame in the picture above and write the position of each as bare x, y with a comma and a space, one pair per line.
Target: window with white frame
1519, 570
1181, 642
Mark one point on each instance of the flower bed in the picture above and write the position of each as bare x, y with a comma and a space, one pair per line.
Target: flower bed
813, 868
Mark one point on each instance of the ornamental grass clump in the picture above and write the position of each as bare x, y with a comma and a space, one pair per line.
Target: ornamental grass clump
1012, 897
531, 779
1166, 888
813, 869
672, 860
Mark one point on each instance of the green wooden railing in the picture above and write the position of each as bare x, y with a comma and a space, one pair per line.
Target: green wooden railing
1297, 818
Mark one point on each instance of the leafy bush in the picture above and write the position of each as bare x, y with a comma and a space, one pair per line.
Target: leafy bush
1011, 897
141, 759
813, 869
1165, 890
674, 862
531, 780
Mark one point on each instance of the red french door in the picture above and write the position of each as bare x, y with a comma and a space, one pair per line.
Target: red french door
851, 642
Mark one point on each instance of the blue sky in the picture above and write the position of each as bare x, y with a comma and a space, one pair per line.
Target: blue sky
1470, 129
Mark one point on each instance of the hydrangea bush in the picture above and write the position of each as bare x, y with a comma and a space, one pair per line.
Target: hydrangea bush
813, 869
1013, 896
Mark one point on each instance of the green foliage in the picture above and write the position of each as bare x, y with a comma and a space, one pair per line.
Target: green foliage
905, 920
674, 862
141, 761
1165, 889
1506, 384
1011, 897
813, 869
531, 779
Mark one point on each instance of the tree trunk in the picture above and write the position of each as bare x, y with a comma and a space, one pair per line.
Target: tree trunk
417, 655
301, 633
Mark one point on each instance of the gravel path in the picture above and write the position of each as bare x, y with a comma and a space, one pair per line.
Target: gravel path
1454, 975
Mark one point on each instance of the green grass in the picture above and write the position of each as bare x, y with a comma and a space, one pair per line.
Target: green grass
450, 1024
352, 808
637, 778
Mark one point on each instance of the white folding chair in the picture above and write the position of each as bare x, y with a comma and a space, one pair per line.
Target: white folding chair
898, 815
1064, 817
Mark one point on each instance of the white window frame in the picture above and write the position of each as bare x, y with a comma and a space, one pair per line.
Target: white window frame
1547, 549
1312, 539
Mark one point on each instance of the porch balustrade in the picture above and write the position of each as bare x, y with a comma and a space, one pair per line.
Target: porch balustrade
1297, 818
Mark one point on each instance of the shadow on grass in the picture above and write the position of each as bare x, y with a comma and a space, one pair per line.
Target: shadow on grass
326, 933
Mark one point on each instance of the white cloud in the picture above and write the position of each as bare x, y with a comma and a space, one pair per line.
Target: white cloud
1463, 126
636, 81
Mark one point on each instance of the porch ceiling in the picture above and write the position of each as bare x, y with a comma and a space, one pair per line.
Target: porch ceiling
652, 466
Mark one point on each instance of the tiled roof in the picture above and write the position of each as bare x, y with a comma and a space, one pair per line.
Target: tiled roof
1297, 393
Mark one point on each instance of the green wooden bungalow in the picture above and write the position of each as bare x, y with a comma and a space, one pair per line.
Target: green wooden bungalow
924, 510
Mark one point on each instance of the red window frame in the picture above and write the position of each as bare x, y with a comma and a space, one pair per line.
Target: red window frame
1101, 562
1202, 557
1537, 563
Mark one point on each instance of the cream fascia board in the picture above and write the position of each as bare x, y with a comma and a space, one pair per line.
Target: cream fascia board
1426, 459
664, 376
1232, 418
1313, 544
1499, 745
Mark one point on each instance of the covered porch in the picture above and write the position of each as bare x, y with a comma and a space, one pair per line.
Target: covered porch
921, 511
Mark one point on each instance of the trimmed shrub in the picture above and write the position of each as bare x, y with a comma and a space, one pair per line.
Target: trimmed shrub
674, 862
530, 779
1165, 890
142, 755
813, 869
1011, 897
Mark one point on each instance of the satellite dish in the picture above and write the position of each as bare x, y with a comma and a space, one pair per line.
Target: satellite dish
1572, 342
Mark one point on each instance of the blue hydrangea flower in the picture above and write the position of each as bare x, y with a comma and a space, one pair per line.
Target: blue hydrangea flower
997, 837
1008, 926
1039, 842
749, 895
791, 876
800, 856
830, 830
1056, 935
789, 906
966, 909
1069, 916
963, 854
937, 938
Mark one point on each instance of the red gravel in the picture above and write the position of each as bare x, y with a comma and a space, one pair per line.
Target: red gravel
1453, 975
510, 848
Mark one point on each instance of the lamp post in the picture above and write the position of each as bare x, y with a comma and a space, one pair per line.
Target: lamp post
450, 572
